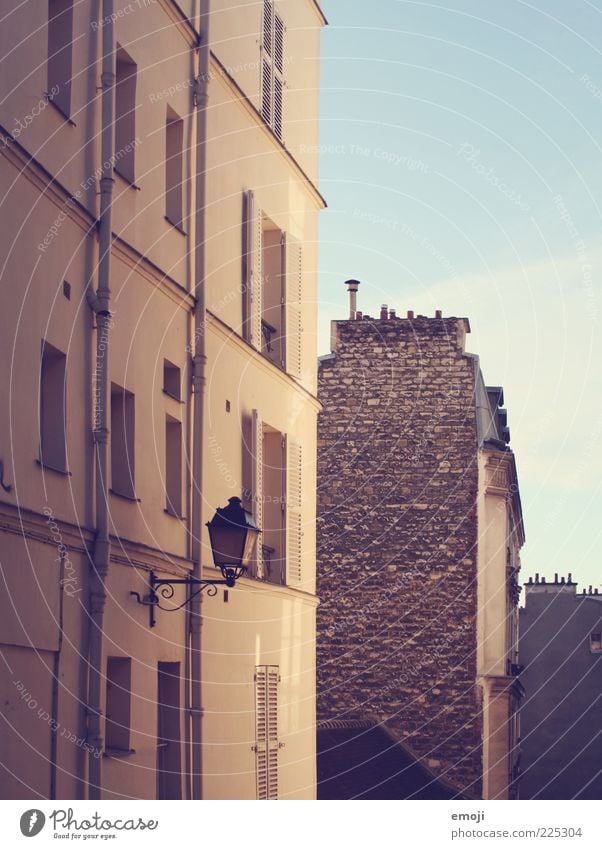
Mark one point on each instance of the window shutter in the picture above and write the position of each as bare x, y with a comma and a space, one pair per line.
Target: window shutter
292, 264
267, 744
252, 252
257, 486
294, 532
261, 748
266, 92
272, 68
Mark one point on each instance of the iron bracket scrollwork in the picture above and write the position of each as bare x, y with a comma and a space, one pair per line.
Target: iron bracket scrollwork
164, 589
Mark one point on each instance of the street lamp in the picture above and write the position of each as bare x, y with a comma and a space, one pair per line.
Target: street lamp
233, 535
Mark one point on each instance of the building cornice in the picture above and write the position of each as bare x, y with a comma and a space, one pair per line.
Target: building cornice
155, 276
502, 480
49, 186
244, 100
230, 335
38, 527
318, 10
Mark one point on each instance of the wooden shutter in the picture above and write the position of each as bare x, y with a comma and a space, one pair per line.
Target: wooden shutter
294, 530
257, 486
267, 744
272, 68
252, 253
293, 298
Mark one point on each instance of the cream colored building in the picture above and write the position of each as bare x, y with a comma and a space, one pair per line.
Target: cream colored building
177, 252
501, 536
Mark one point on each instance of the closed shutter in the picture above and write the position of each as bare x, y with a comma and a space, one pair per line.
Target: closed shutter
252, 253
257, 486
294, 531
267, 744
293, 299
272, 68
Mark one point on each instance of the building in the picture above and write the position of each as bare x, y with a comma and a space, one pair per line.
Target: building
159, 167
560, 649
419, 532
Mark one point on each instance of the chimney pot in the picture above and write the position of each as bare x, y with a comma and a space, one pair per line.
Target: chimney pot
438, 314
562, 580
556, 577
410, 314
537, 577
590, 590
358, 316
570, 578
384, 311
392, 314
352, 287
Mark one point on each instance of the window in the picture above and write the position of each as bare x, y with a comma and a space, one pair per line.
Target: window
122, 441
53, 450
174, 143
118, 704
125, 116
275, 463
272, 68
267, 744
173, 466
60, 36
172, 384
595, 642
272, 271
169, 756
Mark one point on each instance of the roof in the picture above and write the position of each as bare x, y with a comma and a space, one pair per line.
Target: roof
360, 762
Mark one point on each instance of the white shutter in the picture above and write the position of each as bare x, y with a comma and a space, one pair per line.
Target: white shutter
293, 299
267, 744
253, 250
272, 68
261, 747
257, 486
294, 530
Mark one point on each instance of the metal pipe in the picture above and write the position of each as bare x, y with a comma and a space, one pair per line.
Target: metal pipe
100, 303
199, 362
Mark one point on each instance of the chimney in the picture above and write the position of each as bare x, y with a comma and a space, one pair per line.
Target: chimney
384, 312
358, 316
556, 577
352, 287
392, 314
438, 314
410, 314
570, 578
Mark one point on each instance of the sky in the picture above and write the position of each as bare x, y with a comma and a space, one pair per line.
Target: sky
461, 159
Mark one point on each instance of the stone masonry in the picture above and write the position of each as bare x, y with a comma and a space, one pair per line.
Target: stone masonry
397, 536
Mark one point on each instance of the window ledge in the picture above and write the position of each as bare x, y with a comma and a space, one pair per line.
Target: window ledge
171, 395
177, 227
125, 496
50, 100
175, 515
118, 753
47, 467
126, 180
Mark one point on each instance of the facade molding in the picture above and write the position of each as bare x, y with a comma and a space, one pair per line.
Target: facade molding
246, 103
230, 335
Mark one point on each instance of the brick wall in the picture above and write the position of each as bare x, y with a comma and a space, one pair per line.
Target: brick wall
397, 485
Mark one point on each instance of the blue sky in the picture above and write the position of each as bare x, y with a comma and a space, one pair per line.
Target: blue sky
462, 164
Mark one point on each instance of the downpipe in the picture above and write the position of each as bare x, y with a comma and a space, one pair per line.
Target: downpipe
100, 304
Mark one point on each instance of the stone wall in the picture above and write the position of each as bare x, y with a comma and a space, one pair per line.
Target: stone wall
397, 487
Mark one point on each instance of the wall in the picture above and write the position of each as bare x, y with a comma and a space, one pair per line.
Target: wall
560, 716
397, 573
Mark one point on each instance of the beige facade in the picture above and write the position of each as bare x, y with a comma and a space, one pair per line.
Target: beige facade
500, 538
259, 229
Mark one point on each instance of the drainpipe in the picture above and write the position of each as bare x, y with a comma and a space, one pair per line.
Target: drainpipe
100, 303
198, 388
